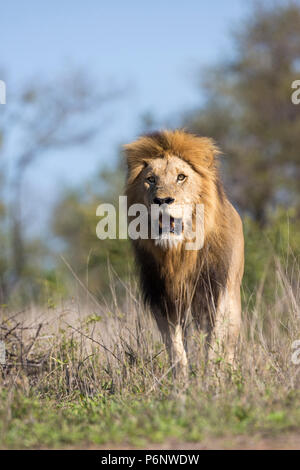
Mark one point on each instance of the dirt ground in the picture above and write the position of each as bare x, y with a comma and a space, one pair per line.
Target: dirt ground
283, 442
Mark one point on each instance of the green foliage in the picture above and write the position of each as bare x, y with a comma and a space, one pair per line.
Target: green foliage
74, 223
249, 111
35, 423
278, 242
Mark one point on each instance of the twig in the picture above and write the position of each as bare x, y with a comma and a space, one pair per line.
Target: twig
97, 342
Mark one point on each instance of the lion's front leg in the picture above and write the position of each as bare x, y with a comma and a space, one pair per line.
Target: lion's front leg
172, 335
227, 327
177, 352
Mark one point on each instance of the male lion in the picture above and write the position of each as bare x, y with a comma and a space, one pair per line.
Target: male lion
168, 168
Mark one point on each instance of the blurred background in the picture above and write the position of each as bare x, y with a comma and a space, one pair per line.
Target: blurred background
83, 78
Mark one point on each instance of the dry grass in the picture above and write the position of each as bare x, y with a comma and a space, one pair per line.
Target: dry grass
75, 370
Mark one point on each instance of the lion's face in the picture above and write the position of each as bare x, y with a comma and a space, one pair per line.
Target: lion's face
170, 187
173, 171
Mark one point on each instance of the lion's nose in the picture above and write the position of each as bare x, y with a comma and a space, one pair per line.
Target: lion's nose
163, 200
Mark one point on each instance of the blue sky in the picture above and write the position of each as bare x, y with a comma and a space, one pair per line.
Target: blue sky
155, 48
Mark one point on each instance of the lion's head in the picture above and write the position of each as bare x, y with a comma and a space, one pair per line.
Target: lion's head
173, 171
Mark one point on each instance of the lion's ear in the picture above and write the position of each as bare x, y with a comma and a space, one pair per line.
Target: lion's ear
135, 163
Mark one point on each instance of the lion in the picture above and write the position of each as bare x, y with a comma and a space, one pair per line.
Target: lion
167, 169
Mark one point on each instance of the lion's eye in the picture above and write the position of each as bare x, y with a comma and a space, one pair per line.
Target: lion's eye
151, 179
181, 177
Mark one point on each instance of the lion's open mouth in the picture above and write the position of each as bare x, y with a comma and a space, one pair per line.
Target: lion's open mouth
170, 224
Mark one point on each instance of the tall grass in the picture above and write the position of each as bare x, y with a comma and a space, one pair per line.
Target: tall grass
110, 354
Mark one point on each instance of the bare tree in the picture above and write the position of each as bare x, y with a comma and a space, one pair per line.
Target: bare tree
42, 118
